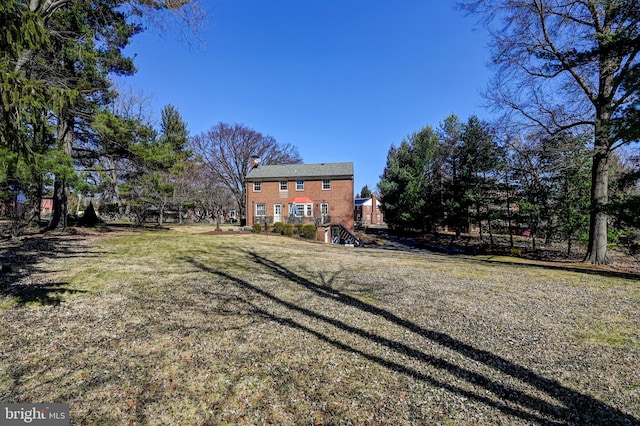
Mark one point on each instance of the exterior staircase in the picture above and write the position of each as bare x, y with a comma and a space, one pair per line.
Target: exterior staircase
341, 235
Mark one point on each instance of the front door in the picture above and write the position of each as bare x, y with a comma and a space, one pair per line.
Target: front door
277, 213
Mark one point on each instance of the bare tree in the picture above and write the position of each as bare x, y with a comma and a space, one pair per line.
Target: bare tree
226, 151
566, 65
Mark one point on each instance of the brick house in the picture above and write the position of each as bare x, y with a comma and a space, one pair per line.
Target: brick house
300, 193
368, 211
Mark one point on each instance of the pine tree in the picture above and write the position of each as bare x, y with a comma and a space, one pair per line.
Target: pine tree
567, 66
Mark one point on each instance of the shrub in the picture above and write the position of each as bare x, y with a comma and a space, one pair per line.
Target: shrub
288, 230
257, 228
309, 231
278, 227
298, 228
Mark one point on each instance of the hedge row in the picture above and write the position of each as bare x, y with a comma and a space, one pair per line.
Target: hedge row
308, 231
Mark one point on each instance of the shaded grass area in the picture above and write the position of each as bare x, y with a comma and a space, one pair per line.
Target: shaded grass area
183, 328
30, 256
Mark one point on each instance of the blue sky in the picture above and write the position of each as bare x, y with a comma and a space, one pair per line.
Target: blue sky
340, 80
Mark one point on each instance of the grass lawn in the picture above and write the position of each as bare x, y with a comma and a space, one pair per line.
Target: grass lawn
183, 327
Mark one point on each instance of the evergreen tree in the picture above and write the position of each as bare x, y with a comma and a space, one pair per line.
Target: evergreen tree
481, 163
532, 188
568, 66
169, 157
54, 61
625, 206
364, 193
156, 163
568, 163
408, 182
454, 178
88, 38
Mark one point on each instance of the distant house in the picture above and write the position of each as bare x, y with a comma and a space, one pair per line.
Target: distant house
46, 208
368, 211
300, 193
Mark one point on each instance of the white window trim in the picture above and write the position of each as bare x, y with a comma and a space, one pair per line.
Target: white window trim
326, 180
289, 209
286, 188
257, 186
265, 210
297, 188
303, 209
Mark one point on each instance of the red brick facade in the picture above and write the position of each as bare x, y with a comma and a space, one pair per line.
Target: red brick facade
322, 200
368, 212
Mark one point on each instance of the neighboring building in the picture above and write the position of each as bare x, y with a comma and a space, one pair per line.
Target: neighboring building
300, 193
368, 211
46, 208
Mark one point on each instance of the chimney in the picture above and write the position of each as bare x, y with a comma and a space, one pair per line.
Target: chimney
255, 161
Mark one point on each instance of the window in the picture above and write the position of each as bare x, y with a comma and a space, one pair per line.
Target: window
296, 209
257, 186
326, 184
261, 209
299, 185
284, 185
301, 210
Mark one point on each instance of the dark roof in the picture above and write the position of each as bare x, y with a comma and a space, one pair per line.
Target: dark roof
301, 171
359, 201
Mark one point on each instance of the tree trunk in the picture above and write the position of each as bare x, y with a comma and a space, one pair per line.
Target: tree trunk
490, 225
60, 185
31, 213
533, 241
113, 176
479, 213
90, 218
60, 198
597, 249
508, 200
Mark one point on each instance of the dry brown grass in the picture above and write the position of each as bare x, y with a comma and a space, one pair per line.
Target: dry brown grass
178, 327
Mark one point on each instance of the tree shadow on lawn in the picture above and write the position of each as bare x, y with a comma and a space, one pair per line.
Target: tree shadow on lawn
22, 260
573, 407
40, 294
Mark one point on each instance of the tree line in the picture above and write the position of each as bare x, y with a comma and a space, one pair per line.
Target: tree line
467, 176
565, 71
569, 68
68, 133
